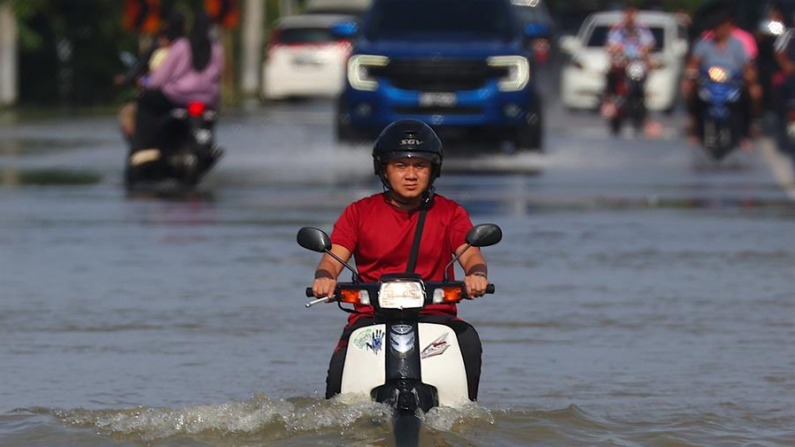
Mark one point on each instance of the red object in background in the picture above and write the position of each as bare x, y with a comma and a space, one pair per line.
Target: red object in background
541, 50
141, 16
196, 108
223, 12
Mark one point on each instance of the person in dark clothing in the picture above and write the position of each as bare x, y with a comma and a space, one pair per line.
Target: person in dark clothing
190, 72
774, 25
378, 232
173, 29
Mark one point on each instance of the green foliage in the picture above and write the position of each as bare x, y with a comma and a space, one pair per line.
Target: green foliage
69, 50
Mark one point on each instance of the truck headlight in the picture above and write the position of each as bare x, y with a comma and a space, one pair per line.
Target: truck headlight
359, 67
518, 72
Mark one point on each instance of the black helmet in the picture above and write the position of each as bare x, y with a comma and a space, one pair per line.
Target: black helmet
407, 138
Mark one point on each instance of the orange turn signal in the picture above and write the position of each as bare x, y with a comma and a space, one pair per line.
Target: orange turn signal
452, 294
351, 296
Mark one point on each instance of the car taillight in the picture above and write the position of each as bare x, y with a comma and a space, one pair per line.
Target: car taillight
196, 108
345, 45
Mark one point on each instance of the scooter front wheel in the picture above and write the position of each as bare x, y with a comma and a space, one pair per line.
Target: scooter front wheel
407, 429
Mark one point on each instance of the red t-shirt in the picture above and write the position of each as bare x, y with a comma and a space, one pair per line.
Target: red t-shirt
380, 237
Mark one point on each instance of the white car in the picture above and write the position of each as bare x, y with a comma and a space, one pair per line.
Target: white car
585, 74
304, 58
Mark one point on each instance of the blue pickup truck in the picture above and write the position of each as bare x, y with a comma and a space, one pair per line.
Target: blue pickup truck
462, 66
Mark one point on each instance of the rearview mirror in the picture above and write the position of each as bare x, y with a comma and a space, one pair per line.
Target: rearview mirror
484, 235
314, 239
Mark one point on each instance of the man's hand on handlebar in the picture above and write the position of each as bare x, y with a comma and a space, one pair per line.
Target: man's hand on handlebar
324, 287
476, 284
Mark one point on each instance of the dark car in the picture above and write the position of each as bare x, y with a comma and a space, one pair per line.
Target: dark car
462, 66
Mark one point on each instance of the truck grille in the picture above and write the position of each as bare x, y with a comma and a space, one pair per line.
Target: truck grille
443, 75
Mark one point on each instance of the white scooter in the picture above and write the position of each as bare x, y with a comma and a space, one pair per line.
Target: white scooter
400, 361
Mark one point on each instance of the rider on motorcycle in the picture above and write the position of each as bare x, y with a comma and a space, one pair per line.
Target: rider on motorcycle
723, 50
190, 72
627, 41
784, 81
150, 59
378, 231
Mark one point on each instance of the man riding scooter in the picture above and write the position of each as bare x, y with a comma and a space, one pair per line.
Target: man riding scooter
628, 44
725, 55
784, 83
176, 112
380, 232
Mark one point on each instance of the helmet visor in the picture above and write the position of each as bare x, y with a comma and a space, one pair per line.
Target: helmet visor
430, 156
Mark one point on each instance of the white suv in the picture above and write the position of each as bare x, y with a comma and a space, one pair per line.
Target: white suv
585, 73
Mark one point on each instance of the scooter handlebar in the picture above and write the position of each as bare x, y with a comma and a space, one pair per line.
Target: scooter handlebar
490, 289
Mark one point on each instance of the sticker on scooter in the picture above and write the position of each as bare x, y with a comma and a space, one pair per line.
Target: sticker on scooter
437, 347
372, 339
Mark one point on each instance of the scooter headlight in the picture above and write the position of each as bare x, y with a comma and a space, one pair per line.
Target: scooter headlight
401, 295
518, 72
636, 70
772, 27
359, 67
718, 74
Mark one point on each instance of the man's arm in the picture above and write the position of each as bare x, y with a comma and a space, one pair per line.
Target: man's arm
787, 65
328, 270
614, 44
475, 269
754, 89
648, 42
690, 76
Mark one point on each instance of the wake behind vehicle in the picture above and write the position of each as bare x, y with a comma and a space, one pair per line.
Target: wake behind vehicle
720, 120
408, 364
409, 62
185, 153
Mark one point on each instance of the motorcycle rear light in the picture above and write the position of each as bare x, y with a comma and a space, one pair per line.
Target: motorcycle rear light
354, 296
791, 116
196, 108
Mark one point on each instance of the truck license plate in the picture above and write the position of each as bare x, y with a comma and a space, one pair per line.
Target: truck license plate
438, 99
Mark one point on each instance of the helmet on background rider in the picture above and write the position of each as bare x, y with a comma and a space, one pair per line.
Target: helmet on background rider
407, 138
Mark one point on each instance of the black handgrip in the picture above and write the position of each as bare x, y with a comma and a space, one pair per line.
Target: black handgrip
309, 292
490, 288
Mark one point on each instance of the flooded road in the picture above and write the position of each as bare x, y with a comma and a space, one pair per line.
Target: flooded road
644, 298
